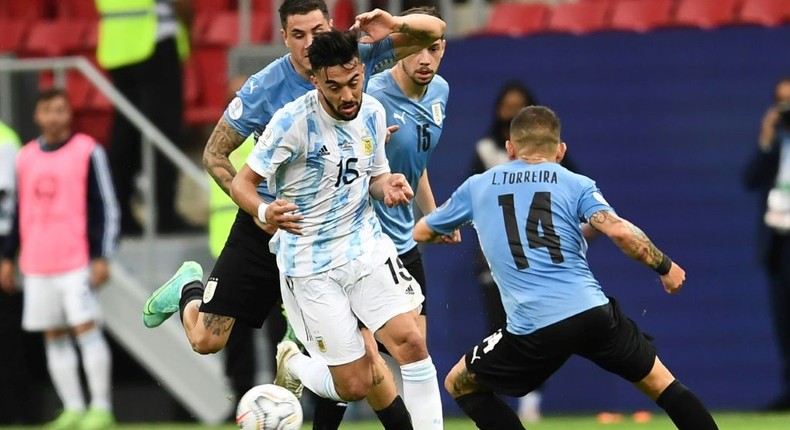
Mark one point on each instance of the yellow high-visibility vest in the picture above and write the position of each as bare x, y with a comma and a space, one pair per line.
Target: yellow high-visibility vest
8, 136
223, 208
127, 32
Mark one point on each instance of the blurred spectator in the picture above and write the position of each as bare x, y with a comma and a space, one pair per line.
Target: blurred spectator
768, 172
139, 46
65, 227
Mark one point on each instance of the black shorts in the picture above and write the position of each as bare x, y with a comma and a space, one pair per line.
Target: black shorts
412, 261
247, 281
514, 365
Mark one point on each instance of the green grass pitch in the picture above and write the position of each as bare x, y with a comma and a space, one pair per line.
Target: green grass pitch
726, 421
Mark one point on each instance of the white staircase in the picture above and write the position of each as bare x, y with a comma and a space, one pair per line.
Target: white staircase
197, 381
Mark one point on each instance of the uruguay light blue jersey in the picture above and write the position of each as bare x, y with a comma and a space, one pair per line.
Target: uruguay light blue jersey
410, 148
279, 83
324, 166
528, 217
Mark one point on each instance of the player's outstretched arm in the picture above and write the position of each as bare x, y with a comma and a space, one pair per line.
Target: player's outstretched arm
410, 33
635, 244
223, 140
392, 188
427, 204
424, 234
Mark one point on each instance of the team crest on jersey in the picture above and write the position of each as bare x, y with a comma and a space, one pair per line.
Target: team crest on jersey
436, 110
367, 145
208, 293
266, 139
321, 345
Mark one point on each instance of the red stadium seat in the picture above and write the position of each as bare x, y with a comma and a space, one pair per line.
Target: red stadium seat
27, 10
77, 9
343, 14
640, 15
516, 19
12, 35
223, 29
579, 18
705, 13
205, 85
765, 12
210, 6
54, 38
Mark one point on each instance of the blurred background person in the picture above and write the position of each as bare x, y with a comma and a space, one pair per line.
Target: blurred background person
65, 228
139, 46
768, 172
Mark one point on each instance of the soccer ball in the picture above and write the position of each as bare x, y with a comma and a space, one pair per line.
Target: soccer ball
269, 407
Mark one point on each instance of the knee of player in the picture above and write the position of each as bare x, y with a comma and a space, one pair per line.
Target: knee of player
412, 347
451, 384
207, 344
353, 389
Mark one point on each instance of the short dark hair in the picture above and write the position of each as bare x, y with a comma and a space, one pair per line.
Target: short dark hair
332, 48
535, 126
301, 7
423, 10
51, 93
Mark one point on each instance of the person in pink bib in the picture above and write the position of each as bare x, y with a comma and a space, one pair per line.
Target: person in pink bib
64, 230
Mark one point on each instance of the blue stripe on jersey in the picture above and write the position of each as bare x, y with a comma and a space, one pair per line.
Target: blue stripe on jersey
542, 275
410, 148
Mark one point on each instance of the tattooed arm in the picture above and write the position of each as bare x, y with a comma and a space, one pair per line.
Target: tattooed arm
635, 244
223, 140
409, 33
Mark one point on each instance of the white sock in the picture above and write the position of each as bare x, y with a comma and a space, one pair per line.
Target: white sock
97, 362
421, 394
315, 375
63, 369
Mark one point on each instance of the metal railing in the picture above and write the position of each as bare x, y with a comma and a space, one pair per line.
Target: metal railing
152, 138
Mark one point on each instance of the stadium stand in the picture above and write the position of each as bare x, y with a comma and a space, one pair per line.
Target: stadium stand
579, 18
705, 13
640, 15
516, 19
769, 13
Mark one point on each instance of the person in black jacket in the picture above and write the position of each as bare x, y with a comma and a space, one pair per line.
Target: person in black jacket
768, 172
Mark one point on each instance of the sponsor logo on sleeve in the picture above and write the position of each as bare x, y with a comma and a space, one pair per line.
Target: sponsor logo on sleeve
235, 108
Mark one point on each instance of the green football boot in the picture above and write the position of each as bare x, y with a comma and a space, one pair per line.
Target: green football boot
69, 419
164, 301
97, 419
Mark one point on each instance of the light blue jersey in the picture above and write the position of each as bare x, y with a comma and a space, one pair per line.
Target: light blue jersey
324, 165
279, 83
528, 219
410, 148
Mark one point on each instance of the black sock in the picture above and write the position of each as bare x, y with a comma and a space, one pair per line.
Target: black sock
328, 414
489, 411
395, 416
190, 291
685, 409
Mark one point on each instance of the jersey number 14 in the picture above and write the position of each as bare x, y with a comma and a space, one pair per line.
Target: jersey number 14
539, 215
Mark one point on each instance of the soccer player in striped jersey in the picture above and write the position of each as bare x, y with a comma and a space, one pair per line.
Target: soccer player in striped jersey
527, 215
244, 283
415, 99
323, 155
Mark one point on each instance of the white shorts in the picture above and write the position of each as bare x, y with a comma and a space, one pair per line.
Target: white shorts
59, 301
325, 309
